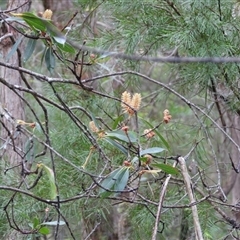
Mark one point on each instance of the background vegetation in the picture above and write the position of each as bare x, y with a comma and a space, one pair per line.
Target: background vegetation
77, 160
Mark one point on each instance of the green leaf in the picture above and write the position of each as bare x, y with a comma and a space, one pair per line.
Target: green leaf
154, 172
117, 181
29, 148
104, 55
50, 59
35, 22
121, 135
104, 58
117, 121
122, 180
14, 19
44, 230
30, 225
151, 150
117, 145
54, 223
158, 134
166, 168
55, 33
163, 140
50, 174
14, 48
109, 181
38, 127
65, 47
143, 159
36, 222
135, 160
94, 120
44, 25
29, 49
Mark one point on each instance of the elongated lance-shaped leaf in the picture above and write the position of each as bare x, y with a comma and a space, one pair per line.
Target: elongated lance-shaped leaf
158, 134
65, 47
115, 144
110, 180
44, 230
35, 22
121, 135
152, 150
36, 222
117, 181
51, 178
54, 223
29, 149
122, 180
29, 49
44, 25
14, 48
50, 59
166, 168
117, 121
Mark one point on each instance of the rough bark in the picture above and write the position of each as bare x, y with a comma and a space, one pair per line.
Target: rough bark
228, 152
235, 155
9, 100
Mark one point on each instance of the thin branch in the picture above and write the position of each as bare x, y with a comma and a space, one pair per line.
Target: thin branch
170, 89
93, 230
160, 203
16, 8
118, 55
188, 184
6, 36
171, 4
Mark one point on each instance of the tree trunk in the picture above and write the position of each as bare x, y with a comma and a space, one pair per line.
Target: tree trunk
11, 102
235, 155
230, 120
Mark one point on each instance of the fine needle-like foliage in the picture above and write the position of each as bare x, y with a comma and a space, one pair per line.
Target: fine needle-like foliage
131, 121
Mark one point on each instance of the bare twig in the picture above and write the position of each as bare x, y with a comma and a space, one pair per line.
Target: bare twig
217, 60
160, 203
187, 181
